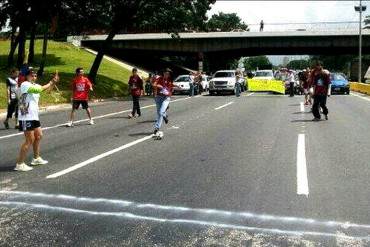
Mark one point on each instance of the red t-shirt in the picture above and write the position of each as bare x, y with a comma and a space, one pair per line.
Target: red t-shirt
321, 82
136, 85
167, 86
80, 87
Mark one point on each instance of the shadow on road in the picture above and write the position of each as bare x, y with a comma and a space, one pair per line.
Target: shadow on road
141, 134
146, 121
7, 168
301, 121
299, 112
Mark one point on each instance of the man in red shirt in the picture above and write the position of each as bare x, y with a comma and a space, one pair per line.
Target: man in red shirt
135, 84
81, 86
321, 82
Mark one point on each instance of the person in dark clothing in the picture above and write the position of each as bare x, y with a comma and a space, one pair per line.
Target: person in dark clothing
11, 89
135, 84
321, 82
262, 24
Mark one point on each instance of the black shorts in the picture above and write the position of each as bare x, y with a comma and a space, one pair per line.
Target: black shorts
29, 125
76, 104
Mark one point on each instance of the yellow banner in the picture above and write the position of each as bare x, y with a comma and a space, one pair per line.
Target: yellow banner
258, 85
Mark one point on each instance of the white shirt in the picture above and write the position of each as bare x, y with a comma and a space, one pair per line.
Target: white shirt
28, 102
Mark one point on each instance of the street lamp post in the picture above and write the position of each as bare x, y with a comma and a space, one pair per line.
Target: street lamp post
360, 9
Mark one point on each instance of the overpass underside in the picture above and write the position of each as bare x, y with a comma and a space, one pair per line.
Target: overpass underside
218, 52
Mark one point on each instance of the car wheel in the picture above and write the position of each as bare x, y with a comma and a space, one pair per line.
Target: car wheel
211, 93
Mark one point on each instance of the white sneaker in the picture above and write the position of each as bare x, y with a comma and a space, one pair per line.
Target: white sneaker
39, 161
91, 122
22, 167
70, 124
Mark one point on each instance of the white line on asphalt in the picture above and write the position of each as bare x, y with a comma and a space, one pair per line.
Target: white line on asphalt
360, 96
302, 181
127, 215
96, 117
302, 107
220, 107
178, 209
98, 157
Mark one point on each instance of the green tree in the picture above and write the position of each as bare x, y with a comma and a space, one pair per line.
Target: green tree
226, 22
171, 16
334, 63
260, 62
298, 64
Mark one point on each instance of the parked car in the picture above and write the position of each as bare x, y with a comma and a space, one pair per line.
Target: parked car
264, 75
183, 83
339, 84
222, 81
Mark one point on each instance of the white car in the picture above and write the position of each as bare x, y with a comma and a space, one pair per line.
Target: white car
183, 83
222, 81
205, 83
264, 75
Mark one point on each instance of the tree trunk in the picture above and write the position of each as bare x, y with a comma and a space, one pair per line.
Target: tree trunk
13, 46
21, 46
99, 57
31, 53
40, 72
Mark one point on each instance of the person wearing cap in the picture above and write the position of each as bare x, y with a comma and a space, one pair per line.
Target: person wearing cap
81, 85
163, 86
29, 121
135, 85
12, 88
321, 84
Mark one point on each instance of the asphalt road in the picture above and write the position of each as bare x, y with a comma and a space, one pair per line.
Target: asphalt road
248, 171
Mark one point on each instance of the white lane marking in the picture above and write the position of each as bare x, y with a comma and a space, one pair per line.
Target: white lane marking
128, 215
98, 157
96, 117
178, 209
302, 107
360, 96
223, 106
302, 181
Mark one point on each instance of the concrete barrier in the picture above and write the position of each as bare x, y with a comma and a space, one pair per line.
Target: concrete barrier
360, 87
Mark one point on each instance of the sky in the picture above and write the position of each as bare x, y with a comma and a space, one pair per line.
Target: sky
276, 15
273, 12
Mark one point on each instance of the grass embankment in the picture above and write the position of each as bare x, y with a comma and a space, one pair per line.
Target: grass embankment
111, 80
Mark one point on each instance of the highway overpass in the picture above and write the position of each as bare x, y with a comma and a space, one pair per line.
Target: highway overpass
213, 46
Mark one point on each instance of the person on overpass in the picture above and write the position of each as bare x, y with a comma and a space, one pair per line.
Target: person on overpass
81, 85
262, 24
135, 85
321, 83
163, 87
29, 121
11, 89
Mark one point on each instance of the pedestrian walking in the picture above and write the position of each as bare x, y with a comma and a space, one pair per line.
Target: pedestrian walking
11, 92
321, 83
191, 84
163, 87
291, 80
238, 81
29, 121
81, 85
135, 85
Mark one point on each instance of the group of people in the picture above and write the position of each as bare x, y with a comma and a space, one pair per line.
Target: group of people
316, 86
23, 95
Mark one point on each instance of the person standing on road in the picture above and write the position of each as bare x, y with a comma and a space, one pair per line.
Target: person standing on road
29, 121
163, 87
135, 85
321, 83
81, 85
11, 89
262, 25
238, 78
191, 84
148, 85
291, 80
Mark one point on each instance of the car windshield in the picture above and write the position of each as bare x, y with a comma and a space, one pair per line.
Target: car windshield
224, 74
337, 77
264, 74
183, 79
